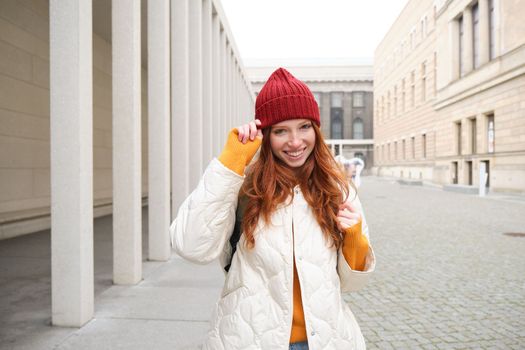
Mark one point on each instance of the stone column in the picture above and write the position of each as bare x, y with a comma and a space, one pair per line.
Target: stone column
180, 119
468, 59
231, 92
71, 119
325, 114
237, 92
207, 138
223, 96
216, 85
158, 129
233, 89
229, 112
127, 202
195, 97
484, 40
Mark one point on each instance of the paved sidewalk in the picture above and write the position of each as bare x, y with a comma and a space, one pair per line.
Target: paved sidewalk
169, 309
447, 278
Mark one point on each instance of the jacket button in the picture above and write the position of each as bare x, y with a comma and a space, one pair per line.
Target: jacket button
313, 333
296, 191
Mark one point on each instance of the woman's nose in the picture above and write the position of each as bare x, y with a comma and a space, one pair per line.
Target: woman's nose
294, 140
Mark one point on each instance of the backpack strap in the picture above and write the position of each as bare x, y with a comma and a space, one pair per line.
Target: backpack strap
236, 234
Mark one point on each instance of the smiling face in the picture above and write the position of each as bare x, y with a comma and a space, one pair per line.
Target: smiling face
292, 141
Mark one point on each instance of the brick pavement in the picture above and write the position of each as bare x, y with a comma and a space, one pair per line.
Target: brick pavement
446, 276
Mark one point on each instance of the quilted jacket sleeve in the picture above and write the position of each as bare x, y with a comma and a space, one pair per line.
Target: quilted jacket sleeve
353, 280
206, 218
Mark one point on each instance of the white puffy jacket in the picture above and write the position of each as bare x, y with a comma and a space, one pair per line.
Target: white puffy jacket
256, 304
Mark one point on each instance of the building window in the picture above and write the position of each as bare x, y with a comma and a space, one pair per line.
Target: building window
475, 35
403, 96
358, 131
492, 30
337, 124
383, 108
413, 147
461, 44
412, 89
458, 137
336, 115
424, 145
435, 73
358, 99
404, 150
395, 150
336, 100
388, 109
491, 134
395, 101
423, 28
389, 155
423, 82
473, 136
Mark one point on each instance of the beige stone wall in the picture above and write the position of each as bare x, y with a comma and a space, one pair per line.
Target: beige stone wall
494, 87
24, 111
407, 52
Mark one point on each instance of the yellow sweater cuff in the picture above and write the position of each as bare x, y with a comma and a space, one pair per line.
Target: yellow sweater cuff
237, 155
355, 247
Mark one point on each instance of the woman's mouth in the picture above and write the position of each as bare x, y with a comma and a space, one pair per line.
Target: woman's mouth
295, 154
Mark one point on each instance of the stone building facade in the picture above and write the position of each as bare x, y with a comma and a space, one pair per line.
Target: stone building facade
345, 98
449, 94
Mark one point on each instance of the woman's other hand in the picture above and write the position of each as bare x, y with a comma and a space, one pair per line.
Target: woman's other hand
348, 215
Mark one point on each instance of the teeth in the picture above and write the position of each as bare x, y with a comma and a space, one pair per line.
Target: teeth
295, 154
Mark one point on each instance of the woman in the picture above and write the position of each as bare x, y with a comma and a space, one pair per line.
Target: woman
304, 240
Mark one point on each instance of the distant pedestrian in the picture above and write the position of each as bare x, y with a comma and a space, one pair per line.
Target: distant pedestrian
351, 168
304, 238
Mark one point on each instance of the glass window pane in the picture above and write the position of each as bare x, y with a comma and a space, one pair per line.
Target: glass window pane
358, 129
336, 99
358, 99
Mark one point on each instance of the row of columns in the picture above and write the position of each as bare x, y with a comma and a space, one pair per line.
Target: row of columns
195, 82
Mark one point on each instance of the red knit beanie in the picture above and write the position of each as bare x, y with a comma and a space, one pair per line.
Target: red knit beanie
285, 97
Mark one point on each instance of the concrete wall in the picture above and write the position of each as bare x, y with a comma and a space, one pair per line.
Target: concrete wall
25, 124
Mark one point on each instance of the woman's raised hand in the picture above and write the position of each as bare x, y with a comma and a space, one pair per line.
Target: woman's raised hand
249, 131
348, 215
238, 152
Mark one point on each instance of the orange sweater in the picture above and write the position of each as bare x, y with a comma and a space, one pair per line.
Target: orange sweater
355, 250
236, 156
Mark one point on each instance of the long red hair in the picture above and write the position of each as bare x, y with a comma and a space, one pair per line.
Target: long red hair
270, 182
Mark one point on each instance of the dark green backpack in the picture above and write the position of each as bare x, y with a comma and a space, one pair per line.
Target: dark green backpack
236, 234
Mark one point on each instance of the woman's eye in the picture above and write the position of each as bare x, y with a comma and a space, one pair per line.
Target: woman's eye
306, 126
278, 131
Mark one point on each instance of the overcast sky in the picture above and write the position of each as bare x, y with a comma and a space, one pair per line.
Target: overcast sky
310, 29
